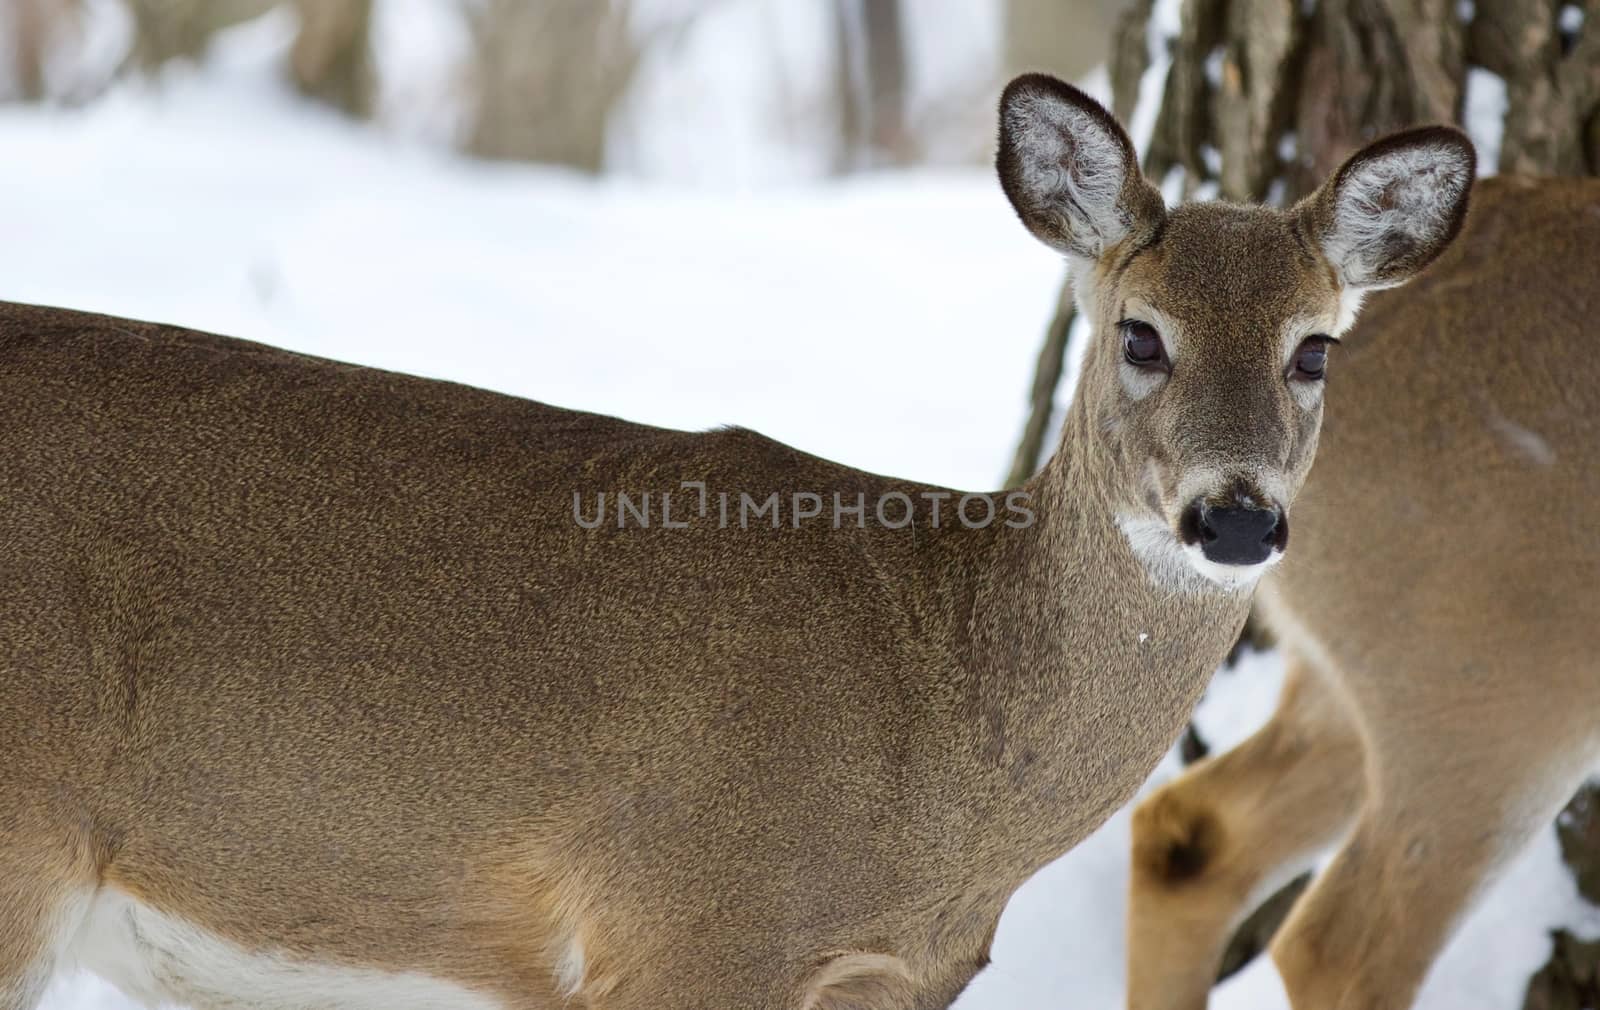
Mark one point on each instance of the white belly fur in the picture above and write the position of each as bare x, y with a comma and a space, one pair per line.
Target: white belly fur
158, 959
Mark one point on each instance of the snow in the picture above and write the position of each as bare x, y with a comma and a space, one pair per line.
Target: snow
1485, 116
890, 322
715, 109
420, 46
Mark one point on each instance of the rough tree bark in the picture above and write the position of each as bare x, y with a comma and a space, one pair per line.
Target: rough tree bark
1041, 399
1264, 98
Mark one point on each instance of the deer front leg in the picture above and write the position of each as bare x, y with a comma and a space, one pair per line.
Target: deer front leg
26, 957
44, 886
1455, 795
1208, 844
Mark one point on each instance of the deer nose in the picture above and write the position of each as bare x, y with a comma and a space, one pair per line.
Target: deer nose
1235, 535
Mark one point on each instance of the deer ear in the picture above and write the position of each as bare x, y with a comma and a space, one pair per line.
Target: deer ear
1393, 207
1070, 171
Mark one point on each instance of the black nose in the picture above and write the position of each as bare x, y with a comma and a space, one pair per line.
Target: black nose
1235, 535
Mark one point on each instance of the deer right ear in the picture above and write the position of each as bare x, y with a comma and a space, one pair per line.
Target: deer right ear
1393, 207
1070, 171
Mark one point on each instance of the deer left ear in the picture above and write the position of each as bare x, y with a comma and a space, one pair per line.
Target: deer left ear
1070, 170
1393, 207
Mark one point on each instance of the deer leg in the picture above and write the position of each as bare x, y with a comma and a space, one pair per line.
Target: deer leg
1455, 793
48, 873
25, 959
1209, 844
38, 913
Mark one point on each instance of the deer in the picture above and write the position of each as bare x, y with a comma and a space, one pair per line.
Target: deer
330, 687
1436, 619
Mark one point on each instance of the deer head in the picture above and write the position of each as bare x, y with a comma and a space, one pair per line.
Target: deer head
1212, 322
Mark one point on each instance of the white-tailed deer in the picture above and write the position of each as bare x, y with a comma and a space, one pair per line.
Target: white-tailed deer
327, 687
1439, 613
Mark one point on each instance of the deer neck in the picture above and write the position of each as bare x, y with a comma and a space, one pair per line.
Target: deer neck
1084, 668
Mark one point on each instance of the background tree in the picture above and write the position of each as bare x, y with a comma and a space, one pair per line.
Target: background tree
1260, 99
332, 56
870, 72
33, 28
1062, 37
330, 61
166, 30
547, 78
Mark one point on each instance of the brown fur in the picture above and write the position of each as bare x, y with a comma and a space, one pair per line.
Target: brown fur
316, 658
1438, 606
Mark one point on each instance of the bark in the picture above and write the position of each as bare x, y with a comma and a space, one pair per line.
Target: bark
1578, 831
1041, 399
1570, 979
1130, 57
1263, 37
1552, 88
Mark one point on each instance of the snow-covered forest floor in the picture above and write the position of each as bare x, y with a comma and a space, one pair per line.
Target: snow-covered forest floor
889, 322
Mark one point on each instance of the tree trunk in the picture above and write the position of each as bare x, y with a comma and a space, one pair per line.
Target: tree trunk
1061, 37
886, 79
1041, 400
1265, 98
165, 30
549, 75
870, 85
32, 26
332, 58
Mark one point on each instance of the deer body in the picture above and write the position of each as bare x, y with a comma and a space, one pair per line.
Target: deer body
307, 709
1438, 613
317, 693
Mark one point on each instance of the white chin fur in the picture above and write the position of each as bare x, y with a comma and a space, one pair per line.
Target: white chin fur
1171, 563
1229, 576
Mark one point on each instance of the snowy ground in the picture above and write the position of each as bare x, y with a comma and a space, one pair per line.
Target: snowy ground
889, 323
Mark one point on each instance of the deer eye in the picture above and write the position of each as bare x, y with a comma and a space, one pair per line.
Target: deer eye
1311, 358
1141, 345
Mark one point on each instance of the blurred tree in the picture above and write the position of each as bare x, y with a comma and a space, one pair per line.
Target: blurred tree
1262, 99
870, 68
548, 77
332, 56
1062, 37
33, 27
330, 60
1569, 980
165, 30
